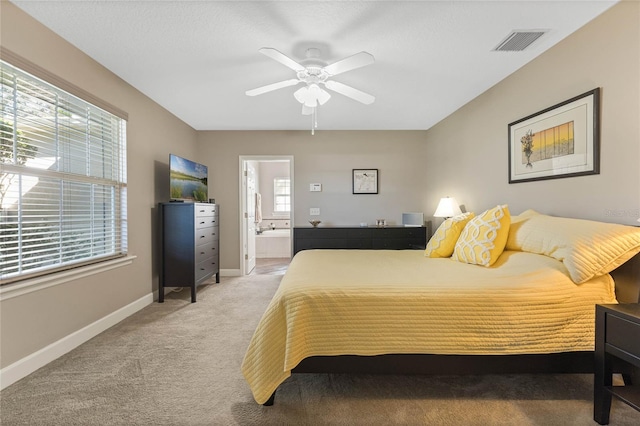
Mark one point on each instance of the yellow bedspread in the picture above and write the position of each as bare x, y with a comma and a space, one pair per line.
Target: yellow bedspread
371, 302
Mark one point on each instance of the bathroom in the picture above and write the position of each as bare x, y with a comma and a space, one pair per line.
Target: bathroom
273, 207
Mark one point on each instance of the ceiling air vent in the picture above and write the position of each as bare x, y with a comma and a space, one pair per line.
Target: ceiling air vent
518, 41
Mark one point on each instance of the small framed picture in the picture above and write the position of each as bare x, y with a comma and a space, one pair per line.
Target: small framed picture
365, 181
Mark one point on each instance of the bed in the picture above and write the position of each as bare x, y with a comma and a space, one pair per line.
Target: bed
398, 311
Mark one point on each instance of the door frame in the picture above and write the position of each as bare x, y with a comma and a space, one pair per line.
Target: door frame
243, 202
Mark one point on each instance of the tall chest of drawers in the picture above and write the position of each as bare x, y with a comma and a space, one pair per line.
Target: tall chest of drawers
190, 245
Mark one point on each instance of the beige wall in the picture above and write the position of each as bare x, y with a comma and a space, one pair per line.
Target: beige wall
33, 321
326, 158
467, 152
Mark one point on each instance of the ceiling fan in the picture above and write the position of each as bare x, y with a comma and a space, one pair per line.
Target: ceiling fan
314, 73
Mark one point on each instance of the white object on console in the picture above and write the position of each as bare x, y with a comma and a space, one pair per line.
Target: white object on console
448, 207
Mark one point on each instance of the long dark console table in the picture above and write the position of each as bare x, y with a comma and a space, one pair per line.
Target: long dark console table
343, 237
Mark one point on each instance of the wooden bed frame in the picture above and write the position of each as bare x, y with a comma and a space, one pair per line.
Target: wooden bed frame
627, 278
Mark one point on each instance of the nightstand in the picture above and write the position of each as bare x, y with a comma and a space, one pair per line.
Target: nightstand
617, 341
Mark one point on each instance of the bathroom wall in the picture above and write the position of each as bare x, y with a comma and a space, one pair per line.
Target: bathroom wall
269, 170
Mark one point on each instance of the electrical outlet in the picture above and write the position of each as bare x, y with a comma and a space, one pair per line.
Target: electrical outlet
314, 211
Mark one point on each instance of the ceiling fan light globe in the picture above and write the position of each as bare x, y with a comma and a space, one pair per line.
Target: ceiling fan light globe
311, 102
301, 94
323, 97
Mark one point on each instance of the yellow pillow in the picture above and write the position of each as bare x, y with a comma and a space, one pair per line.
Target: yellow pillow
444, 239
587, 248
484, 237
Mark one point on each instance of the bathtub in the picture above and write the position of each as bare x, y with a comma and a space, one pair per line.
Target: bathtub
273, 243
275, 233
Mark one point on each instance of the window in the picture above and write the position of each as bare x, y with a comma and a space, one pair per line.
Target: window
62, 179
281, 195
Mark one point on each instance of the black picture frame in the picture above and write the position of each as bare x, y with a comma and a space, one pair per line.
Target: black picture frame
558, 142
364, 181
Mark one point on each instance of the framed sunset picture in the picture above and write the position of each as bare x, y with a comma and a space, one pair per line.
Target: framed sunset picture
557, 142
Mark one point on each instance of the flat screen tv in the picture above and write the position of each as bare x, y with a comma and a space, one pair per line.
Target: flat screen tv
188, 179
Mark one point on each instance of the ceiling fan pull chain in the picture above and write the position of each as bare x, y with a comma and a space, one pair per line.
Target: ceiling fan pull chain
313, 113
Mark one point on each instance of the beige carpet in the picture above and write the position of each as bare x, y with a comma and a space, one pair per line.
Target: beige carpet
178, 363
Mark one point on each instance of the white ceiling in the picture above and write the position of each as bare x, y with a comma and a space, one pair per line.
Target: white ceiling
197, 58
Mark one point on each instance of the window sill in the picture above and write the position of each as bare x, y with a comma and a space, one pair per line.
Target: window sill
39, 283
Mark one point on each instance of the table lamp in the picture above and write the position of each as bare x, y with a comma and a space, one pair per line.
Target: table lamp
447, 207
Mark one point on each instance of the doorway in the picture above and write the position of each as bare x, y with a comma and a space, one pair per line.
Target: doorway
266, 211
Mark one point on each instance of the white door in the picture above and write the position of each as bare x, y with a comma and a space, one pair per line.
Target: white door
250, 254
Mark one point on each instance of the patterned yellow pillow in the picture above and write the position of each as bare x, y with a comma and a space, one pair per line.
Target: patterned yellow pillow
444, 239
484, 237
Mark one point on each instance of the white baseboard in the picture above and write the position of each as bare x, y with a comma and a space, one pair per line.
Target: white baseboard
27, 365
230, 272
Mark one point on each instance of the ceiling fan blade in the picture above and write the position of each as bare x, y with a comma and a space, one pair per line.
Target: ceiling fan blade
274, 86
276, 55
350, 92
350, 63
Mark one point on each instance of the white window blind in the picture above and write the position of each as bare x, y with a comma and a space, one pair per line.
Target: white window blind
62, 179
281, 195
